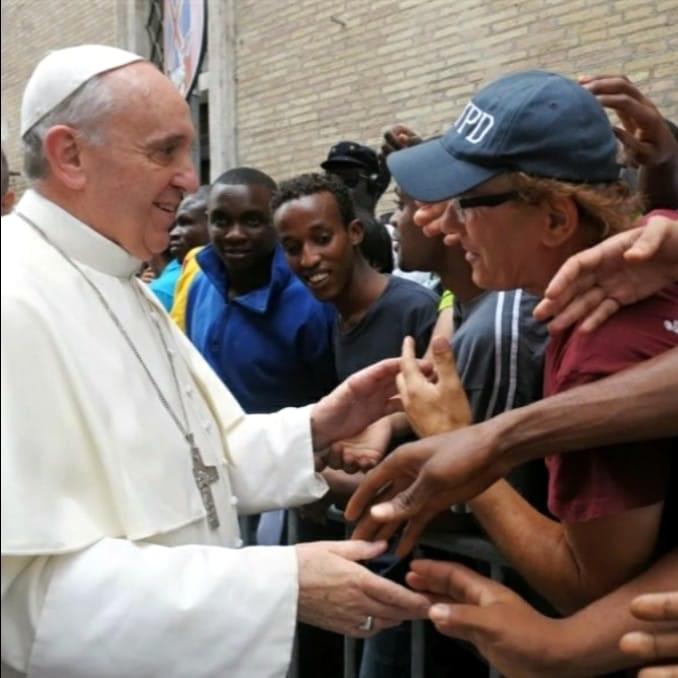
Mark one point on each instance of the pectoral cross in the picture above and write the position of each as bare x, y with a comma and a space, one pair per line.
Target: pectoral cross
204, 476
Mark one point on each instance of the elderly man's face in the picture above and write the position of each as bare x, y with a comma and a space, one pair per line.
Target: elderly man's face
136, 179
502, 242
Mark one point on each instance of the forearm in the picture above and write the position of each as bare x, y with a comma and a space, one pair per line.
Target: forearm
659, 185
272, 461
534, 545
592, 415
587, 643
96, 612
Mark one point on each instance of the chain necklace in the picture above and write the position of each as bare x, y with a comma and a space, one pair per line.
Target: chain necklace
204, 475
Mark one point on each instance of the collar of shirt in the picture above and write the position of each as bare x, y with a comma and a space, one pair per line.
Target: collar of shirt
77, 239
257, 300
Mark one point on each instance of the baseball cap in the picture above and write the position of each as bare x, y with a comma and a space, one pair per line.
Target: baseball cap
534, 122
351, 154
63, 72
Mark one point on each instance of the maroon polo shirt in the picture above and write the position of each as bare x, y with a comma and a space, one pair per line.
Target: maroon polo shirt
609, 480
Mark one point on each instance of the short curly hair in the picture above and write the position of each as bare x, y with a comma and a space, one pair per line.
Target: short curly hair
310, 184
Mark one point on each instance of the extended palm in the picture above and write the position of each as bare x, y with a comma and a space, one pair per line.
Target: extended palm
621, 270
363, 451
432, 407
418, 481
509, 633
357, 402
646, 137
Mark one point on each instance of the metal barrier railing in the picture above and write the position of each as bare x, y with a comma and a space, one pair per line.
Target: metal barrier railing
465, 545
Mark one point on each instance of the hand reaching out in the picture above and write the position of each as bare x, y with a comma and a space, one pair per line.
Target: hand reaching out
432, 407
646, 137
336, 593
397, 137
357, 402
659, 645
437, 218
363, 451
419, 480
502, 626
591, 285
403, 479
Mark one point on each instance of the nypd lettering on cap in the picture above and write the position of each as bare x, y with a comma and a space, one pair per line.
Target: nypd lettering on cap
535, 122
474, 124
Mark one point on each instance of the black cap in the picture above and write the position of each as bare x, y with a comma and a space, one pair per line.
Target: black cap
351, 154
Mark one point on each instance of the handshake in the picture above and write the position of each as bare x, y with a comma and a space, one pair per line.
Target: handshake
336, 592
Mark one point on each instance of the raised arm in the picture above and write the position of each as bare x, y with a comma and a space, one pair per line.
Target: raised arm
593, 284
520, 641
421, 479
649, 141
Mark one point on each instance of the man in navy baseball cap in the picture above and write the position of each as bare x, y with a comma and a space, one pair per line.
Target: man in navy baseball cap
534, 122
526, 178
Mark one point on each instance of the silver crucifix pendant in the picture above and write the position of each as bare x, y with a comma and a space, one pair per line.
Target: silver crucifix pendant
204, 476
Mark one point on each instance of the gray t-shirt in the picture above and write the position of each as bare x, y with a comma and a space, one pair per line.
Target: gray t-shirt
404, 308
499, 348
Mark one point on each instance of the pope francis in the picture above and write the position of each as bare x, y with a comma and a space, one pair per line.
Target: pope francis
125, 461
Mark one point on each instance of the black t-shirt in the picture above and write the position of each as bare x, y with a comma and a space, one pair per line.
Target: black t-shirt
404, 308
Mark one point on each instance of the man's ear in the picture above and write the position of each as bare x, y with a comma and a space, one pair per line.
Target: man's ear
356, 232
562, 221
62, 147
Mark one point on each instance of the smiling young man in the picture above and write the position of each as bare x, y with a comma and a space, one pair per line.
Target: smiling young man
321, 238
256, 324
530, 166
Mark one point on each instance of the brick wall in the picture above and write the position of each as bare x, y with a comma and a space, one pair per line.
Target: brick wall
311, 72
30, 28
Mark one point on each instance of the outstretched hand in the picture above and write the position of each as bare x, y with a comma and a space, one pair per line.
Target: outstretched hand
358, 401
504, 628
397, 137
621, 270
363, 451
419, 480
432, 407
406, 479
438, 218
338, 594
646, 137
657, 645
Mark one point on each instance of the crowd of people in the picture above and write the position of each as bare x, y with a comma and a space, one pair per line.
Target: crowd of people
497, 355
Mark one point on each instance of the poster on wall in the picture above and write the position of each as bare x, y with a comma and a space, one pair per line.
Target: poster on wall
184, 42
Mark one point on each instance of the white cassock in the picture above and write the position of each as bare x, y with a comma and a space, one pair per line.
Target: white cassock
109, 566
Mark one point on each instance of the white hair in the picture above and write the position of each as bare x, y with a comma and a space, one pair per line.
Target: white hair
83, 110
